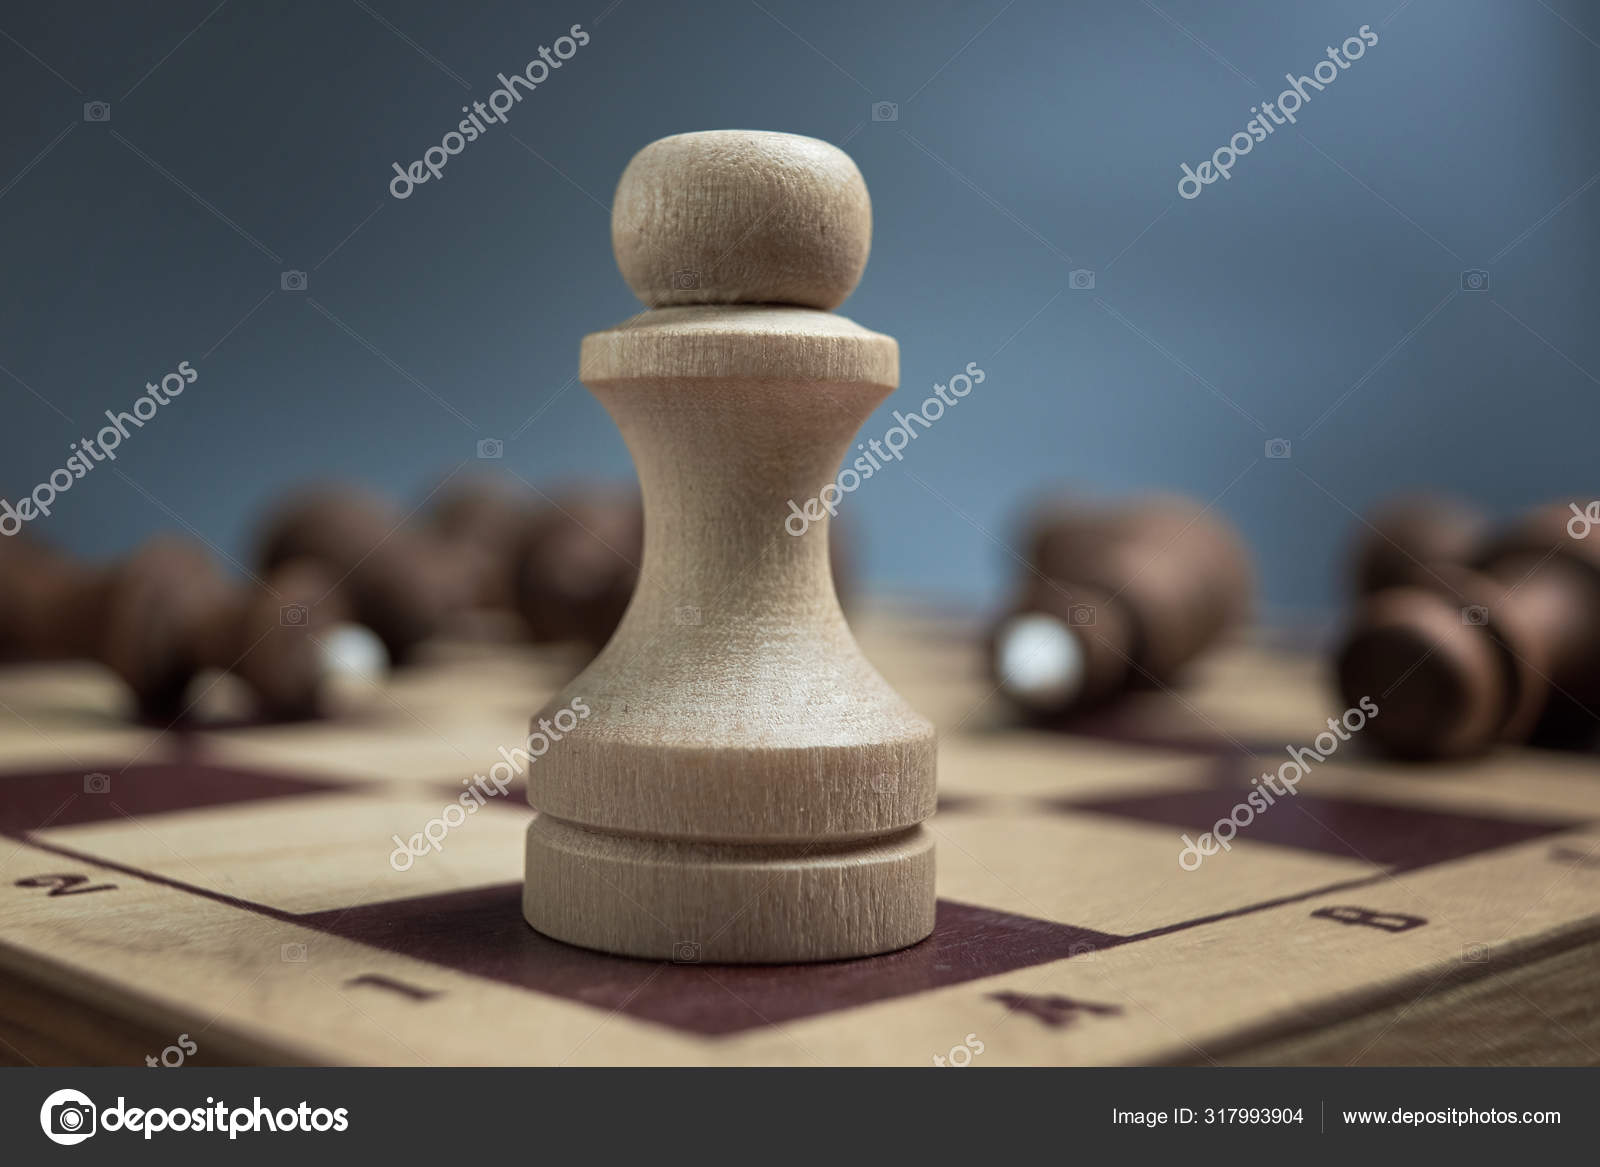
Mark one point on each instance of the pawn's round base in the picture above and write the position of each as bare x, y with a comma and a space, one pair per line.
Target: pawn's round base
725, 903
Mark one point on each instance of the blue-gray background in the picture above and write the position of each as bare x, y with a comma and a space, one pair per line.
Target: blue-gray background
1316, 296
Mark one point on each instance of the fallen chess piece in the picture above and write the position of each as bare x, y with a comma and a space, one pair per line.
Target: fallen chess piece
745, 786
1118, 597
1408, 537
482, 524
577, 565
1488, 652
165, 614
399, 581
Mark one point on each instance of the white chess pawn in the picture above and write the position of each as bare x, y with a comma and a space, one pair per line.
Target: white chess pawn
732, 780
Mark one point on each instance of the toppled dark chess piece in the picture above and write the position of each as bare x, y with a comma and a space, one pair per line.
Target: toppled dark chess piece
577, 565
163, 615
483, 523
1407, 537
399, 582
1119, 597
1488, 653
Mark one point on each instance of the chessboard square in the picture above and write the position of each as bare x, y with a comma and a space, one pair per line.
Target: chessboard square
1020, 765
309, 853
61, 696
393, 748
1507, 783
1118, 876
34, 746
53, 799
482, 932
1248, 692
1388, 835
474, 678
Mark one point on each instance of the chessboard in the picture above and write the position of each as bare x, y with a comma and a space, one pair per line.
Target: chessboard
234, 892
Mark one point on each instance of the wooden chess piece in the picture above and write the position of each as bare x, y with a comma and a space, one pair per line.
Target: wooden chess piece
165, 614
579, 563
742, 785
1119, 597
482, 523
1407, 536
1488, 652
49, 605
398, 582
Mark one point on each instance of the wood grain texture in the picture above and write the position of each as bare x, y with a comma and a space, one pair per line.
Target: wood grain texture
744, 781
741, 217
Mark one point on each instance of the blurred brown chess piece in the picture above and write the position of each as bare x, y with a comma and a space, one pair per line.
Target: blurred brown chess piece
1120, 596
482, 525
568, 565
1503, 650
165, 614
577, 565
1407, 536
399, 581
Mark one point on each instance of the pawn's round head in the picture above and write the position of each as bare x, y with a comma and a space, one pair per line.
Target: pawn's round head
741, 217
